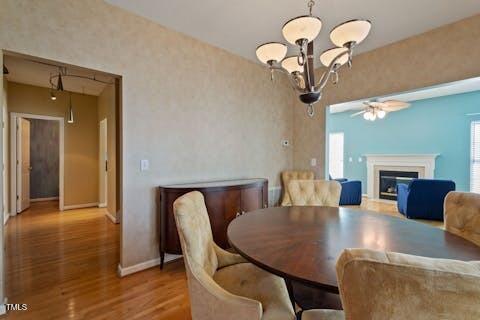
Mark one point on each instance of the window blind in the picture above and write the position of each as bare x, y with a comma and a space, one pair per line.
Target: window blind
475, 158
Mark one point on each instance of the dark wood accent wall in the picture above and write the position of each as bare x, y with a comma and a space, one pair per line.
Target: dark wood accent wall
225, 200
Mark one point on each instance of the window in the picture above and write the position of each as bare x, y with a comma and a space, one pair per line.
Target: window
335, 154
475, 158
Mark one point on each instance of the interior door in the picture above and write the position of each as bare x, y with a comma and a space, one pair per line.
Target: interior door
103, 165
23, 164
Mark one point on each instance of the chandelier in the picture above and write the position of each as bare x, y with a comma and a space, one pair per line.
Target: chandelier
301, 31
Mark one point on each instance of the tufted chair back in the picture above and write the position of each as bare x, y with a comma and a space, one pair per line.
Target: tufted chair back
202, 259
314, 192
290, 175
462, 215
377, 285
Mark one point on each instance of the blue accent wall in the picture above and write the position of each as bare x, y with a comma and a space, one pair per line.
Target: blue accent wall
437, 125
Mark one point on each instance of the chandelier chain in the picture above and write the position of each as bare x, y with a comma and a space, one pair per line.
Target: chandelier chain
310, 5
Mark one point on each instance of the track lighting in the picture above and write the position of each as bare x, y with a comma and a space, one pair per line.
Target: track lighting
53, 96
5, 70
70, 111
59, 83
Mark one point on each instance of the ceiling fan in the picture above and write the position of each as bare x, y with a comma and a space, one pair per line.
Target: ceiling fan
376, 109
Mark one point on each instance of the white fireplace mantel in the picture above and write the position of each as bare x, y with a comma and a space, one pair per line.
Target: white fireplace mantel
425, 161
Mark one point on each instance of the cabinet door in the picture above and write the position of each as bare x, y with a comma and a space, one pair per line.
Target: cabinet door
252, 198
222, 207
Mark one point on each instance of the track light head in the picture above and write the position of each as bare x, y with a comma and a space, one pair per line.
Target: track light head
59, 83
5, 70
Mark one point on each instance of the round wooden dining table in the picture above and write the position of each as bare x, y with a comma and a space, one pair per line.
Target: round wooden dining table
302, 244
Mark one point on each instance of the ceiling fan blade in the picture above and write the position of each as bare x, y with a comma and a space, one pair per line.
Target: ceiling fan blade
357, 113
394, 105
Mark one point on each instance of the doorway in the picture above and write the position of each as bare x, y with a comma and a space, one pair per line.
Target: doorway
48, 155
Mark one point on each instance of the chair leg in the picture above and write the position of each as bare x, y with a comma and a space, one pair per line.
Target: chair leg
288, 282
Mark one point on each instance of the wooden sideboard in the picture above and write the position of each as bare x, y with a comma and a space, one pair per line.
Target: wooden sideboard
225, 200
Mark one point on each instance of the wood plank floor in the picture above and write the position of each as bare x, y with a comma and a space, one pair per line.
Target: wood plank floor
63, 265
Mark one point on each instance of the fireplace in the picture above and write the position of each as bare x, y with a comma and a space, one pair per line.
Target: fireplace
388, 181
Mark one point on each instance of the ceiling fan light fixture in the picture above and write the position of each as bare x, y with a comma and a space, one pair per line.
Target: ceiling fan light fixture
381, 114
302, 28
350, 32
329, 55
271, 52
291, 64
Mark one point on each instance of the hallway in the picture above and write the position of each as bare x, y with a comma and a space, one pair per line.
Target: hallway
63, 266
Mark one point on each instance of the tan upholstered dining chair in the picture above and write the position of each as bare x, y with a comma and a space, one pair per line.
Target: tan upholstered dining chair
314, 192
290, 175
222, 285
462, 215
377, 285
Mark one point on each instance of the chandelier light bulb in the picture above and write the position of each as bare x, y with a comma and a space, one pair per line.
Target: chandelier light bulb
353, 31
366, 115
327, 56
291, 64
271, 52
303, 27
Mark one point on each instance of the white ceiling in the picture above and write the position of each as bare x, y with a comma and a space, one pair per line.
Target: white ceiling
38, 74
446, 89
240, 26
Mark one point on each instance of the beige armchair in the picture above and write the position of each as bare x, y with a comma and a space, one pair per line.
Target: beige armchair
314, 192
377, 285
462, 215
222, 285
288, 176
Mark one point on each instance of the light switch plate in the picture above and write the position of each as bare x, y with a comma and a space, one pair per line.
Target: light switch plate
350, 159
144, 165
360, 159
313, 162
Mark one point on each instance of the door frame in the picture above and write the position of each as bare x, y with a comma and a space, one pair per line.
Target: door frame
13, 157
102, 165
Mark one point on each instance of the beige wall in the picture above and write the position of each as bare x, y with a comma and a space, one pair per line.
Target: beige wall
106, 110
442, 55
3, 97
81, 137
195, 111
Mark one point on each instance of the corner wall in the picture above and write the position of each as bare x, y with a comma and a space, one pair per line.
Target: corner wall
445, 54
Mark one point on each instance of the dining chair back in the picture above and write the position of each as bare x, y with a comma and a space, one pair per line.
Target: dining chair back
377, 285
314, 192
462, 215
290, 175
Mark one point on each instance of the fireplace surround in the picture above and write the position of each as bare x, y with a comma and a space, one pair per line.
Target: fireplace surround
421, 164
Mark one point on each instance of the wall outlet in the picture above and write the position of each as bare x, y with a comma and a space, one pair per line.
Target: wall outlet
360, 159
285, 143
313, 162
350, 159
144, 165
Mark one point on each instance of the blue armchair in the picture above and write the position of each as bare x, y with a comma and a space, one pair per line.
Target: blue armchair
423, 198
351, 192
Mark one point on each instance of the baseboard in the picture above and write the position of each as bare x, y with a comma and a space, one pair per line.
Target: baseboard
102, 205
80, 206
44, 199
122, 272
6, 216
364, 195
111, 217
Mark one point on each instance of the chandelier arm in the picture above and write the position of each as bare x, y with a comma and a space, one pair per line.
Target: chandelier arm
331, 68
290, 78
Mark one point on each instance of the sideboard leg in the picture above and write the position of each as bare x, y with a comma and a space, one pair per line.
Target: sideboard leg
162, 259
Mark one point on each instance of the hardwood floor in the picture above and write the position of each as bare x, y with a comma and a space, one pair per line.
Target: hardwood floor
63, 265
